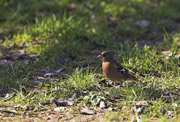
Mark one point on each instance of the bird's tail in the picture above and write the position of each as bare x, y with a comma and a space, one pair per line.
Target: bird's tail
131, 77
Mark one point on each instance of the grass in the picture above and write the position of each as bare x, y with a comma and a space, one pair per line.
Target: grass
70, 34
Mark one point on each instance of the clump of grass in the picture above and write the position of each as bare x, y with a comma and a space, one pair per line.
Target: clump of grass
64, 29
94, 98
113, 116
82, 80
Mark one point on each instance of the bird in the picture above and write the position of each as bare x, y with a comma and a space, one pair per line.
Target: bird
113, 70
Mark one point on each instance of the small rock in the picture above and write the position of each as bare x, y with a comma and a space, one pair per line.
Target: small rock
143, 81
102, 104
59, 109
143, 23
7, 96
139, 110
141, 103
86, 112
167, 53
110, 109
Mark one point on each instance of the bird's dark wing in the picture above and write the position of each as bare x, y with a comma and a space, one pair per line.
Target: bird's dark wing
120, 68
123, 70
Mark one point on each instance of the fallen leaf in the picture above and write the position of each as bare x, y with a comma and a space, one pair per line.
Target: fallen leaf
143, 23
8, 111
110, 109
86, 112
167, 53
16, 57
59, 70
141, 103
139, 110
50, 74
6, 63
59, 109
62, 103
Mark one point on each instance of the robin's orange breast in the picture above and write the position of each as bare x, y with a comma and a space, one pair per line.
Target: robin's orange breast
112, 73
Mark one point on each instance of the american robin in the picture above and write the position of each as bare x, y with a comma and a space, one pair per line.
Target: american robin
113, 70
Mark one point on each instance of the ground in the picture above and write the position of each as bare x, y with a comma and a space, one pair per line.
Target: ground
49, 70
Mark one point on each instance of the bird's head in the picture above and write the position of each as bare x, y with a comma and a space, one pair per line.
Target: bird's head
106, 56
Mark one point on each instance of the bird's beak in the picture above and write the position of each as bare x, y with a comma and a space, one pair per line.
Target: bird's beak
99, 56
